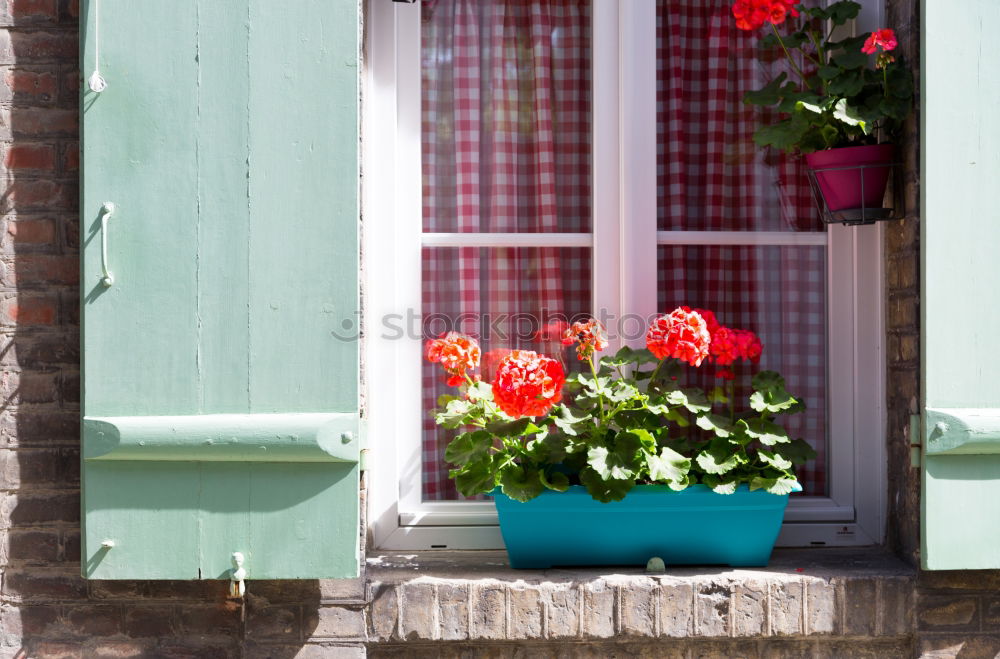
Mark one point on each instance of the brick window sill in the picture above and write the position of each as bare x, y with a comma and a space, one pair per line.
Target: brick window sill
809, 595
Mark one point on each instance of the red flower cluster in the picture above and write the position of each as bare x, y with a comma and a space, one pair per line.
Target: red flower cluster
752, 14
552, 332
457, 353
730, 345
528, 384
884, 39
682, 334
591, 336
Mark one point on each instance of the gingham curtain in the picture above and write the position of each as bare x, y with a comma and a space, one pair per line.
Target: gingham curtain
506, 148
712, 177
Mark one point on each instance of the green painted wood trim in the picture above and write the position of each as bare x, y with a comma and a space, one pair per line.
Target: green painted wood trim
964, 431
224, 437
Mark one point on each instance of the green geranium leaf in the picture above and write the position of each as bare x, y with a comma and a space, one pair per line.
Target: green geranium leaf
719, 457
843, 112
468, 447
678, 418
636, 439
557, 480
783, 135
774, 403
718, 485
848, 83
623, 391
900, 81
516, 428
521, 483
669, 467
809, 106
798, 451
769, 94
843, 11
694, 400
779, 485
605, 490
828, 72
767, 432
480, 390
455, 413
717, 423
566, 419
775, 460
475, 478
610, 465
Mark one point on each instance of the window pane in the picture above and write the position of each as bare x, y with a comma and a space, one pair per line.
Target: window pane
506, 115
710, 174
780, 294
505, 297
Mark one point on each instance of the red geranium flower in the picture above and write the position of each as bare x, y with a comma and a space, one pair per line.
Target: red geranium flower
681, 334
884, 39
710, 319
528, 384
748, 345
591, 336
457, 353
752, 14
724, 348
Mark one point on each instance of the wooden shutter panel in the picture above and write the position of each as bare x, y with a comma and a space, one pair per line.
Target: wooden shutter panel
961, 297
221, 367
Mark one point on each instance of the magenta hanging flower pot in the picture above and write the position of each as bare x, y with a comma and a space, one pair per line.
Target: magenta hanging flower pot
853, 177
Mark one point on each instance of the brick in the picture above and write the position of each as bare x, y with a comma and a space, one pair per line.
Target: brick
99, 620
119, 649
28, 233
38, 46
52, 649
868, 649
909, 347
29, 157
339, 589
34, 468
29, 387
18, 12
32, 508
39, 122
317, 651
895, 612
39, 194
598, 614
991, 612
384, 612
39, 427
525, 612
947, 613
563, 612
821, 609
902, 312
71, 546
676, 609
33, 621
418, 609
489, 611
118, 590
639, 608
69, 161
712, 609
273, 622
29, 87
337, 622
201, 648
728, 649
150, 621
29, 309
26, 584
40, 269
983, 580
285, 591
787, 602
453, 611
210, 620
33, 547
859, 607
41, 353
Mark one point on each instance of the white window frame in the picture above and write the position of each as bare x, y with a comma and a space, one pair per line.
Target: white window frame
624, 197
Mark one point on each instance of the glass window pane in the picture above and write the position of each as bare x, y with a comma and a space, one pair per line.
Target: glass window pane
780, 294
506, 297
506, 115
710, 174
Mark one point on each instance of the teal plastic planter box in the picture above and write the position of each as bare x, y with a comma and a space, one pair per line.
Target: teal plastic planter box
693, 527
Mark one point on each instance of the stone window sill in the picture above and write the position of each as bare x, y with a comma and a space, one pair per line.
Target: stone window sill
474, 596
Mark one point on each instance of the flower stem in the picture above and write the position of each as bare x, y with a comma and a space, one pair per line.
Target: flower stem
791, 61
597, 383
652, 376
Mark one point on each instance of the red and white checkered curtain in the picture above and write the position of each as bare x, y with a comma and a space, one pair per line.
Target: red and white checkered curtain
506, 148
712, 177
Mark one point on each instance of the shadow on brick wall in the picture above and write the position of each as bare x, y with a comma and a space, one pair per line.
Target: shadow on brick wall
48, 609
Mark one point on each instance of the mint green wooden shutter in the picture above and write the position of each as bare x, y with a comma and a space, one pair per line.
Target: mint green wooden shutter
960, 244
221, 367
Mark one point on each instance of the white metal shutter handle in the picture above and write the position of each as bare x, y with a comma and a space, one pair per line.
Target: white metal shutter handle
107, 210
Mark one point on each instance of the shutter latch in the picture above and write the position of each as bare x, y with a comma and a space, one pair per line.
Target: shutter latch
237, 588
